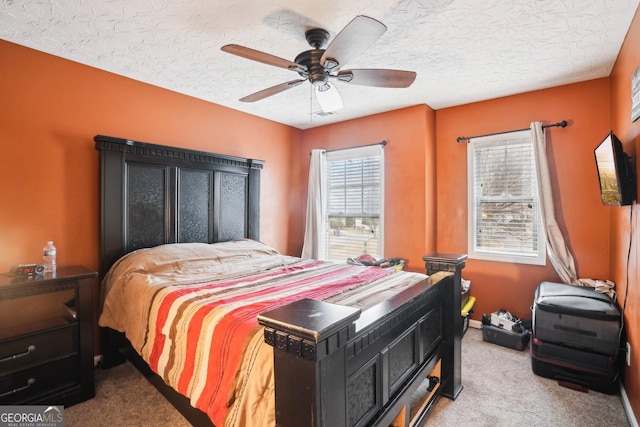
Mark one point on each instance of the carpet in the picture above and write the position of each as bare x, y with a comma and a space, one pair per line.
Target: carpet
499, 389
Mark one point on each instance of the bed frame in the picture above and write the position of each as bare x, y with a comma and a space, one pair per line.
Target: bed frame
334, 365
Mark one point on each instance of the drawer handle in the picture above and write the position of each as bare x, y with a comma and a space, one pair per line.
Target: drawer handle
30, 349
30, 382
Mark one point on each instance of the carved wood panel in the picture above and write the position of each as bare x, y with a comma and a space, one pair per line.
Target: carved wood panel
146, 206
232, 206
362, 392
195, 205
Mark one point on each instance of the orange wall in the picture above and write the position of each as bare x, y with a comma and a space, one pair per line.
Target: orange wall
624, 235
409, 174
51, 110
579, 212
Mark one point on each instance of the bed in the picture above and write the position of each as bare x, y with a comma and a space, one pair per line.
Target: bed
297, 342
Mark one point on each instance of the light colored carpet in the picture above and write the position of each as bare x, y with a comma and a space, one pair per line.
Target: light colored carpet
499, 390
124, 398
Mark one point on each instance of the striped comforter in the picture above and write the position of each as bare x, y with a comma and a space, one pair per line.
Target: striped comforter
190, 311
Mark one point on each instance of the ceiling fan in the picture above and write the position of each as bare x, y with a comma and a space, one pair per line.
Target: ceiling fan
320, 66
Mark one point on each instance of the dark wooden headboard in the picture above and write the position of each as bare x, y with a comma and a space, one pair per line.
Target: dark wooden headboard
153, 194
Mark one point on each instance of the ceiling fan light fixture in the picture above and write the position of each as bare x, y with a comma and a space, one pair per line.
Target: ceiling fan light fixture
328, 97
345, 76
319, 81
331, 64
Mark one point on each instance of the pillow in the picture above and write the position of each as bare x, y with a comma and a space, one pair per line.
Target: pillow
173, 257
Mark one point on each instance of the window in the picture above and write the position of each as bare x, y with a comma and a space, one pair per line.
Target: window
354, 203
505, 222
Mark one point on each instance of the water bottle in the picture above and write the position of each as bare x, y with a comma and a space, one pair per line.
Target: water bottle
49, 257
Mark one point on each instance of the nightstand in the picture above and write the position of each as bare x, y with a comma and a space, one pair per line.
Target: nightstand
46, 337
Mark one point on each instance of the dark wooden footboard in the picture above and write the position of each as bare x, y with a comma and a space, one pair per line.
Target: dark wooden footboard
338, 366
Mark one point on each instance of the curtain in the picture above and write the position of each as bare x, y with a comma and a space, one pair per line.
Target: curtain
557, 250
314, 228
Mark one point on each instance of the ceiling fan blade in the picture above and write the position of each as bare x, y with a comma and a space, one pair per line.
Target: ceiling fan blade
265, 58
378, 78
271, 91
354, 39
328, 97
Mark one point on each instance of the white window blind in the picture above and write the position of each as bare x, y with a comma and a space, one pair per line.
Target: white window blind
504, 213
354, 205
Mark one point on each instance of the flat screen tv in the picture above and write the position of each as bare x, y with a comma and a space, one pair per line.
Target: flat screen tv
615, 172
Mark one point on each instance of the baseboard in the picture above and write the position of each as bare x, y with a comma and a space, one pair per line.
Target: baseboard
627, 407
475, 324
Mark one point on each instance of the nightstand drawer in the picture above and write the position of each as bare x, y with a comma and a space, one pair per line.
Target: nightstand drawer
34, 384
33, 349
46, 337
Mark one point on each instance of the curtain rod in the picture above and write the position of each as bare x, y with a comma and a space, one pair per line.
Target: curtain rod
383, 143
561, 124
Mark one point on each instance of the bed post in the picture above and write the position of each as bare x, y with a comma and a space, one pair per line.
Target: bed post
451, 358
310, 340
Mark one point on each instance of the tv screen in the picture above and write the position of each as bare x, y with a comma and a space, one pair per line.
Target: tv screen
615, 172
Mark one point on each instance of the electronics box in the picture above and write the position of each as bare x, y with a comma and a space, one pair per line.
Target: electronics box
501, 323
505, 338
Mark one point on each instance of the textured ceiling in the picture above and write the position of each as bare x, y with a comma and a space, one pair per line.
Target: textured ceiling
462, 50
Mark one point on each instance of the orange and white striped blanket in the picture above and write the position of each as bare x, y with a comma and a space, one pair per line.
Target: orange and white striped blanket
190, 310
